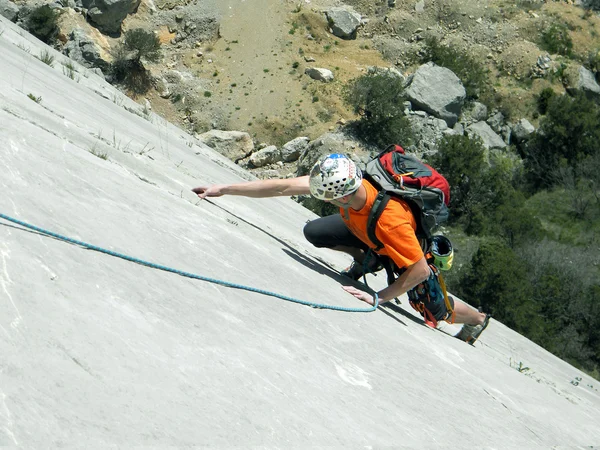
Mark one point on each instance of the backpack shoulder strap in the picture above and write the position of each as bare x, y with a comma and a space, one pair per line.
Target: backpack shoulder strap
379, 205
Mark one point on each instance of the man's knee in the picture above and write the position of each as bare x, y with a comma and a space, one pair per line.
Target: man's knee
313, 232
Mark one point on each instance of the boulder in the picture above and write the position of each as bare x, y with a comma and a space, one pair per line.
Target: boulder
488, 136
319, 74
344, 22
496, 121
587, 83
324, 145
235, 145
390, 71
477, 112
9, 10
522, 130
438, 91
108, 15
82, 49
292, 150
267, 155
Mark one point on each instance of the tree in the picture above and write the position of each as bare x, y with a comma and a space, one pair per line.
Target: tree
496, 280
461, 160
568, 133
378, 99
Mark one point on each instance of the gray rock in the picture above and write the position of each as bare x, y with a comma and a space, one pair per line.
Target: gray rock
319, 74
478, 111
489, 138
522, 130
292, 150
458, 129
420, 6
587, 83
496, 121
438, 91
267, 155
344, 22
9, 10
108, 15
83, 49
324, 145
506, 134
391, 71
235, 145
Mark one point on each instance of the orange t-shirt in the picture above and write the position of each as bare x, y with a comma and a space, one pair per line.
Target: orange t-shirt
395, 228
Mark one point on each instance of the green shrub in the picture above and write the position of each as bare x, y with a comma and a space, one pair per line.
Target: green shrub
472, 74
556, 39
544, 98
378, 99
127, 66
43, 23
144, 43
593, 61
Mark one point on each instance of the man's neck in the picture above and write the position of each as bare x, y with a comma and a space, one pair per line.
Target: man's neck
360, 199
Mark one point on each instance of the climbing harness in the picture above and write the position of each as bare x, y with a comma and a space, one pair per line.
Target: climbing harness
187, 274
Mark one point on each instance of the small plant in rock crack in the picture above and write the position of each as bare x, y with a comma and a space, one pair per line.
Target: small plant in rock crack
69, 70
34, 98
46, 58
520, 367
102, 155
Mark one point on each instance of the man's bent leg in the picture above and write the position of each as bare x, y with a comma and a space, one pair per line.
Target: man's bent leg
331, 232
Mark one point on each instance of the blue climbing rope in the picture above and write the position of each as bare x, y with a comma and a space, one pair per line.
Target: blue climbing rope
187, 274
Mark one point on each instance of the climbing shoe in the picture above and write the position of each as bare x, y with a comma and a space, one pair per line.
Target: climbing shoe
470, 333
355, 270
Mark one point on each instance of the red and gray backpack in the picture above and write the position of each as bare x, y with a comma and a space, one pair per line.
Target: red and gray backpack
396, 174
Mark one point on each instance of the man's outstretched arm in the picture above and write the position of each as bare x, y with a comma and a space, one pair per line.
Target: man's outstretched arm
257, 189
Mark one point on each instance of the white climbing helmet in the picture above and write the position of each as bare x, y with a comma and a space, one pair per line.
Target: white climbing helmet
334, 176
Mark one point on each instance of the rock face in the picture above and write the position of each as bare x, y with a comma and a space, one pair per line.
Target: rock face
108, 15
234, 145
438, 91
343, 22
83, 49
9, 10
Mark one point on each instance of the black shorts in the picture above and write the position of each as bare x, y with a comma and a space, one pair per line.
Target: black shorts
331, 231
